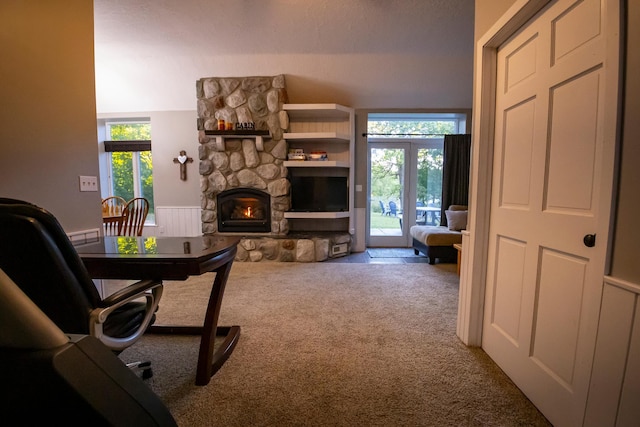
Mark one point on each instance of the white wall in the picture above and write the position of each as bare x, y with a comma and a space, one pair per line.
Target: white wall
171, 132
391, 54
360, 53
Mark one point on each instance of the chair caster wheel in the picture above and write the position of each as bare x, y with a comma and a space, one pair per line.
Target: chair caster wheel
145, 367
147, 373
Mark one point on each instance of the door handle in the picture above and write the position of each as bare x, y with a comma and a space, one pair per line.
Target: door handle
589, 240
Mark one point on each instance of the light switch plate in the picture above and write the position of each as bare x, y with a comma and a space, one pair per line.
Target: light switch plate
88, 183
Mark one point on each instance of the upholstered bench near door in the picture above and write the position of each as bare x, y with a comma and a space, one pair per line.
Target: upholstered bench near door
436, 242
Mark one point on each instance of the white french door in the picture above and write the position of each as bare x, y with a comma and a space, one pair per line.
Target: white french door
389, 174
408, 174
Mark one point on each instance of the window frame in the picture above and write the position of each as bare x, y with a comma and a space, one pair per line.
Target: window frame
411, 143
458, 119
133, 146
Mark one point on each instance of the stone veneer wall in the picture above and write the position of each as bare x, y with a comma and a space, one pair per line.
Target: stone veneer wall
241, 165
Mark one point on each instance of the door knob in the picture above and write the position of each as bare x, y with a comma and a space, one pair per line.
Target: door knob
589, 240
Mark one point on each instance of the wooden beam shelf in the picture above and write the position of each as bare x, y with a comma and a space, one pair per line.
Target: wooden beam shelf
222, 135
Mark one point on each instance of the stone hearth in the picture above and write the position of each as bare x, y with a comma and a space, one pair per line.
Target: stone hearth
312, 247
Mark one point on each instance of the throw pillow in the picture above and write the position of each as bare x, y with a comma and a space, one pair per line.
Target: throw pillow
456, 220
458, 208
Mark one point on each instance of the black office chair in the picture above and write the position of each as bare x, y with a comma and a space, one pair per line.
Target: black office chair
37, 254
58, 379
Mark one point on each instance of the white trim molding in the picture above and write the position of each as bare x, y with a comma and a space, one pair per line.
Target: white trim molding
615, 381
84, 236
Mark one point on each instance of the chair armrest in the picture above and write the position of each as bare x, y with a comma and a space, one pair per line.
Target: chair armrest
129, 291
151, 290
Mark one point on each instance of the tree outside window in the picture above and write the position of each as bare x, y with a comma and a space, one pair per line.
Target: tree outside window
429, 186
131, 171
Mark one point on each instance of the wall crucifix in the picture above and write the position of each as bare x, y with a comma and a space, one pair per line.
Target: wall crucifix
183, 160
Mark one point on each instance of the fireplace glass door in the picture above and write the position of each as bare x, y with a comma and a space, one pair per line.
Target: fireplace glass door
244, 210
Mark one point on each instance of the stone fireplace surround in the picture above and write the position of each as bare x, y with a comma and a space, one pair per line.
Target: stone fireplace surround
238, 162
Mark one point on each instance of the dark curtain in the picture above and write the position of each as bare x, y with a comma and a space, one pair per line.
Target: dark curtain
455, 172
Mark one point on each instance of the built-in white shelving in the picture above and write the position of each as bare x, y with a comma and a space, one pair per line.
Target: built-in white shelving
318, 111
329, 128
317, 136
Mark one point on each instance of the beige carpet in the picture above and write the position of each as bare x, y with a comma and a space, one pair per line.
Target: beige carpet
332, 344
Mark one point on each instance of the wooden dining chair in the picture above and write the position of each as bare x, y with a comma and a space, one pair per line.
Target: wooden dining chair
133, 217
112, 208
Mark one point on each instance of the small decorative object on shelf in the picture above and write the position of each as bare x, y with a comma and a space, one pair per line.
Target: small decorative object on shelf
296, 154
221, 125
318, 155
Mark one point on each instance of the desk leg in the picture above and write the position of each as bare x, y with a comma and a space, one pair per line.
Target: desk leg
210, 360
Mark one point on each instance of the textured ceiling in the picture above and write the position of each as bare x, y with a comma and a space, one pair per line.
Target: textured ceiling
183, 37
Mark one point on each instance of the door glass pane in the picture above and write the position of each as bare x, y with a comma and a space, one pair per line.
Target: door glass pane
429, 186
387, 189
146, 182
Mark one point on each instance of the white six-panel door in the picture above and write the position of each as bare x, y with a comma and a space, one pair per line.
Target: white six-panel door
552, 183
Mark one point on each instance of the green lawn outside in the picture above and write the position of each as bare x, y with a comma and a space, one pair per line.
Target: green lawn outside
380, 221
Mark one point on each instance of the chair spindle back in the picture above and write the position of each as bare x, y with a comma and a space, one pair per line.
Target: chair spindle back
133, 217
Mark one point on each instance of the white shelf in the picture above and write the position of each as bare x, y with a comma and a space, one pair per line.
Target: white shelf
315, 164
317, 111
319, 136
317, 215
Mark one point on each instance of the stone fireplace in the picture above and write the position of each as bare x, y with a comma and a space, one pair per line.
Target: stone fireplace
243, 181
250, 161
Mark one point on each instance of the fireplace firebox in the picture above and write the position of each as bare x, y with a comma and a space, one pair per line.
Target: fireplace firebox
244, 210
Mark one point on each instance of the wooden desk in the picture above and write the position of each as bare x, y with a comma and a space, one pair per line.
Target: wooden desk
174, 258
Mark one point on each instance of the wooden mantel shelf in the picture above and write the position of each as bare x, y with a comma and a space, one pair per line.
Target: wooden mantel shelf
222, 135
